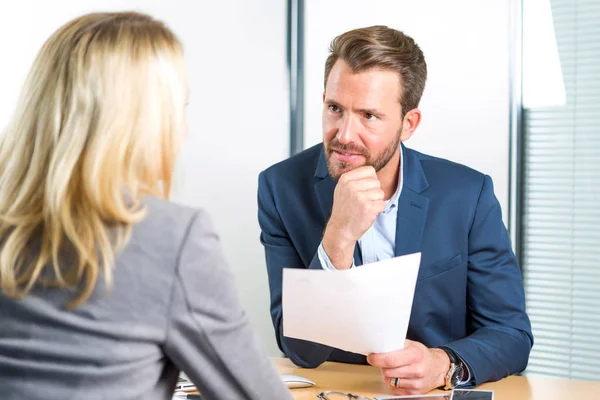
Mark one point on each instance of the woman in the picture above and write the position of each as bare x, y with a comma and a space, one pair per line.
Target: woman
106, 289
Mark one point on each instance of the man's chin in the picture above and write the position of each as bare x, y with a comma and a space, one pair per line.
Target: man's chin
336, 170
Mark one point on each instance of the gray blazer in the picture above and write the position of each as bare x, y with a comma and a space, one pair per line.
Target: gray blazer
173, 306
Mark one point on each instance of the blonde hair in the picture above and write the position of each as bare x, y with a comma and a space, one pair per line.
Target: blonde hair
97, 127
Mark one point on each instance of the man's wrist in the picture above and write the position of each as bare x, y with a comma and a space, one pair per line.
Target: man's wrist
443, 363
460, 373
339, 249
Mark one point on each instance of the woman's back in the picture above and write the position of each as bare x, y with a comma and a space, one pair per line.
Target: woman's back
106, 289
172, 306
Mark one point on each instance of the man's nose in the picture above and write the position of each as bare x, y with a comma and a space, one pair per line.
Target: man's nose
348, 130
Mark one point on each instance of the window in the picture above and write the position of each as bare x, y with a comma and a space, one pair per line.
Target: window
560, 242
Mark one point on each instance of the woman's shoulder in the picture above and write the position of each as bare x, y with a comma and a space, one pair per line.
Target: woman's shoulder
160, 211
167, 224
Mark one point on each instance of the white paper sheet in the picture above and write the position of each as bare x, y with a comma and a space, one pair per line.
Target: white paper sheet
363, 310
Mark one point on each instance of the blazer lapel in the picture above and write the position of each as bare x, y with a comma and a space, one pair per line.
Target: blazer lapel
324, 188
412, 206
412, 214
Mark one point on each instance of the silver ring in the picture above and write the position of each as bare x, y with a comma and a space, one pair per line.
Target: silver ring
394, 382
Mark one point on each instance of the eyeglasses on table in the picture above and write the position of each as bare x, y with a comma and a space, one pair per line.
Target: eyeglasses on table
332, 395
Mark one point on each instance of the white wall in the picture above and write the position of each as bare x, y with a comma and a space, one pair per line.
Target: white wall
466, 101
238, 112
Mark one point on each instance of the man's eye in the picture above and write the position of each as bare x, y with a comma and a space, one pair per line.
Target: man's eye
333, 108
370, 117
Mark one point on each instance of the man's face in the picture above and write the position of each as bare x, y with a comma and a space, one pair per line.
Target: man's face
362, 121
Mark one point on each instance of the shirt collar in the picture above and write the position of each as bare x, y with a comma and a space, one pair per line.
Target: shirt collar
393, 201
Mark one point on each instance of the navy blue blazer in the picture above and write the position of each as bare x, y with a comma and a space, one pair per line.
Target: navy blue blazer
469, 293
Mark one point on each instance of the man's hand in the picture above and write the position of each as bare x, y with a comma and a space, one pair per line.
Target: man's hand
418, 368
357, 201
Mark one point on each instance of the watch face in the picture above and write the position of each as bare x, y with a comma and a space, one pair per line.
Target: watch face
457, 376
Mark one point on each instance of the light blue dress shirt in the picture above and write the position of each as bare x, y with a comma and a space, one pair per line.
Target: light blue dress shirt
379, 241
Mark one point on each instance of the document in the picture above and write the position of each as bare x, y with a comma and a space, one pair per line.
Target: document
363, 310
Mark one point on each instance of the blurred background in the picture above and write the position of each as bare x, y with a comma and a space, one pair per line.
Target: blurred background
513, 91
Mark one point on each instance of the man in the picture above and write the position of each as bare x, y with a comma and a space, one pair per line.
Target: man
361, 196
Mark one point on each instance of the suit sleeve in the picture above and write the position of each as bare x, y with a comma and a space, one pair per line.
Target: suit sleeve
500, 337
280, 253
209, 336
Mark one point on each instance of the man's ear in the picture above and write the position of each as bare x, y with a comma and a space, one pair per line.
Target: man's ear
410, 123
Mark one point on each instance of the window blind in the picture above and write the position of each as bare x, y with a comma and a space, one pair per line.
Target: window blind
561, 204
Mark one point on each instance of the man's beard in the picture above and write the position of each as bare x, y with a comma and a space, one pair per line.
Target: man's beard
377, 162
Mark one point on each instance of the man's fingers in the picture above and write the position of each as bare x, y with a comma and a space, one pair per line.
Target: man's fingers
413, 371
373, 195
364, 184
395, 359
379, 206
365, 171
407, 386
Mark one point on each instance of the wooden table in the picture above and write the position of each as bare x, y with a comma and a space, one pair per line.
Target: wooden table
367, 381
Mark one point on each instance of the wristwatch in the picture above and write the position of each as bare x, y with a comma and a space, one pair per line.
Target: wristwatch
455, 374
